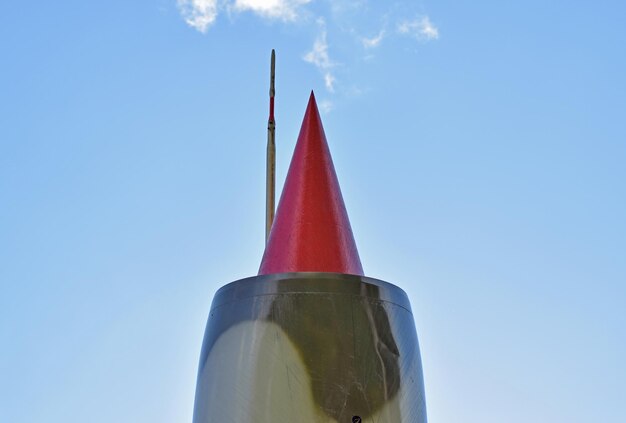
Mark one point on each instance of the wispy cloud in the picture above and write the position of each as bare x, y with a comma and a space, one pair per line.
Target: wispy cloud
421, 28
285, 10
374, 41
319, 57
326, 106
338, 22
199, 14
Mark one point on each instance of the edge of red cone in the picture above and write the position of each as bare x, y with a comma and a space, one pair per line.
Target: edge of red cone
311, 231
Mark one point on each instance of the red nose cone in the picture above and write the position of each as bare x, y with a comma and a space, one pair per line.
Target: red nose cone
311, 231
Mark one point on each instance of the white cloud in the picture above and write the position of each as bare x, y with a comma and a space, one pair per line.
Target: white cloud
326, 106
421, 28
346, 17
319, 54
329, 81
199, 14
319, 57
286, 10
373, 42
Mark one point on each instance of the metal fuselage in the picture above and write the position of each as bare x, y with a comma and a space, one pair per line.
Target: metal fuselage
310, 348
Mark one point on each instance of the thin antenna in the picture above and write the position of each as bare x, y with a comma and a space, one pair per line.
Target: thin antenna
270, 176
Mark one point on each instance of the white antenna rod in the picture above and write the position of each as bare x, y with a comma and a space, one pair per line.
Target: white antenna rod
270, 176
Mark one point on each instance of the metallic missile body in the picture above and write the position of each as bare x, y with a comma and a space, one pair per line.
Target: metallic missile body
310, 347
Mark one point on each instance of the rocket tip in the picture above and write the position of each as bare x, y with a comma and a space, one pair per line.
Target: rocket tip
311, 231
312, 100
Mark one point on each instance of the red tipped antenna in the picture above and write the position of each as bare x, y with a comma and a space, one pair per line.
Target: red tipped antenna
270, 175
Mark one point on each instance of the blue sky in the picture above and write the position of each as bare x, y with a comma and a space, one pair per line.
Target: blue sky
481, 150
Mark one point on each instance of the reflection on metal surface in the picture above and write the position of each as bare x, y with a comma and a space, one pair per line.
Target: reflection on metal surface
310, 347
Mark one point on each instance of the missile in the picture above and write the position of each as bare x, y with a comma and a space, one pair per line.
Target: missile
310, 339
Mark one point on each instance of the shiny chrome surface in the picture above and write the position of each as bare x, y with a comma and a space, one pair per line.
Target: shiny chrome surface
310, 348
